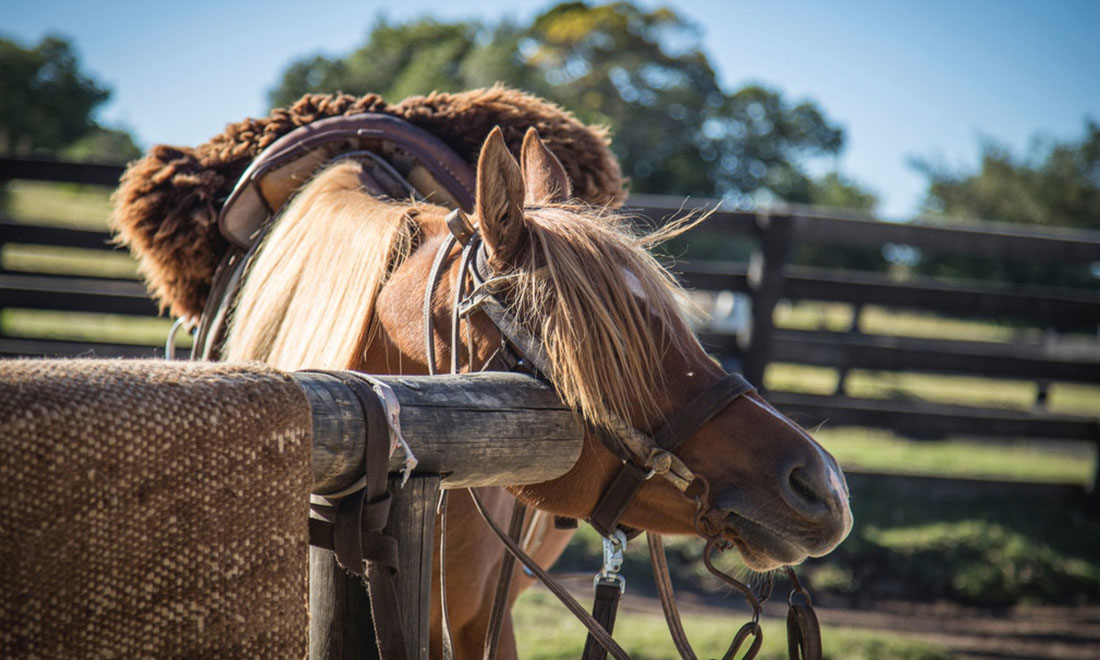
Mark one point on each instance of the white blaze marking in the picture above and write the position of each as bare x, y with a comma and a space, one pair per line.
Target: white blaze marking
633, 283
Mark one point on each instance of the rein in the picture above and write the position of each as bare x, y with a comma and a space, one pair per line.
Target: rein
643, 456
353, 526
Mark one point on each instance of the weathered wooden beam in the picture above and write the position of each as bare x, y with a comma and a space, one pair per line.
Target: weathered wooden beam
472, 430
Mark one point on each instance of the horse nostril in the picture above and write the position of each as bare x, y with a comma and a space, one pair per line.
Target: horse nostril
808, 493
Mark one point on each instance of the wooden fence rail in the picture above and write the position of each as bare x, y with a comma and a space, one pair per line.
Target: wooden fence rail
1056, 342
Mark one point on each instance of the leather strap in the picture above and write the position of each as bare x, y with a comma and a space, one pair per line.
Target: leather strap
803, 633
448, 639
663, 583
618, 496
703, 408
357, 536
504, 584
681, 426
594, 628
429, 289
604, 608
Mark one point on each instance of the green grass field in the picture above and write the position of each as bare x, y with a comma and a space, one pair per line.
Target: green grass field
543, 633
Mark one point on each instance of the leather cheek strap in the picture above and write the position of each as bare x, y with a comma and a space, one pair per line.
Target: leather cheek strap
685, 423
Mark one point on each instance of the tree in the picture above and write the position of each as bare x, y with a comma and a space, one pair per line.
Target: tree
832, 189
641, 73
1058, 183
109, 145
397, 61
45, 101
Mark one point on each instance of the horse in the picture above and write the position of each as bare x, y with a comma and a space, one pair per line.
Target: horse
339, 282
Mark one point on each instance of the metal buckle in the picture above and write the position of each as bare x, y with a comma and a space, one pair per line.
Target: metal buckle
613, 548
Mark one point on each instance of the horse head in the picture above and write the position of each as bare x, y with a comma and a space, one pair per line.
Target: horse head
619, 350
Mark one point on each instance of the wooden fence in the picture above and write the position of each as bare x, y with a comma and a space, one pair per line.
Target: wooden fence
1057, 341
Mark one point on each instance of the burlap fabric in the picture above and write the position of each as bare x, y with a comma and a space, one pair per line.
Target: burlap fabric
150, 509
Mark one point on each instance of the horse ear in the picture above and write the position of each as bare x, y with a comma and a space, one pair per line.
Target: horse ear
545, 178
499, 205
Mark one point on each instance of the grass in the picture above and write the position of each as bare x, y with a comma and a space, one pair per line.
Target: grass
876, 450
67, 261
74, 326
994, 547
59, 204
545, 631
1072, 398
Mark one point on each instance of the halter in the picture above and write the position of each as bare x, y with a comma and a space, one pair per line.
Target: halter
393, 154
643, 455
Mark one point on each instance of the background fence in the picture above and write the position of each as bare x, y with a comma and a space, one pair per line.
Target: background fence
784, 321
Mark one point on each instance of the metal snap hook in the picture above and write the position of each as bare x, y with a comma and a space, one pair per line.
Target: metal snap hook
614, 546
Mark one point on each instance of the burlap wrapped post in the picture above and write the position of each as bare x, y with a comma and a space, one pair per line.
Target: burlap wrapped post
150, 509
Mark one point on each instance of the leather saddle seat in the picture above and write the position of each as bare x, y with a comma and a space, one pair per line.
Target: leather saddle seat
399, 160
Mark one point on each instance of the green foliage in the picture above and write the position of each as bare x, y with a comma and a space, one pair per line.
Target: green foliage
46, 102
967, 546
105, 145
1057, 184
640, 72
403, 60
834, 190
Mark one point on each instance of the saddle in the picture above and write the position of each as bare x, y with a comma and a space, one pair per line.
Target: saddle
399, 161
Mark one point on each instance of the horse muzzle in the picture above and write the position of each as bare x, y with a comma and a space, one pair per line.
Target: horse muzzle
804, 514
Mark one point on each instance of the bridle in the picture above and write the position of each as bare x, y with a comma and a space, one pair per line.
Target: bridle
393, 153
643, 455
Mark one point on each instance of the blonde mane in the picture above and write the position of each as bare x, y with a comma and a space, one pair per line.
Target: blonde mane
605, 308
308, 297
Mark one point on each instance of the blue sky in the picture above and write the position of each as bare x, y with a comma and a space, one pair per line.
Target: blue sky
907, 80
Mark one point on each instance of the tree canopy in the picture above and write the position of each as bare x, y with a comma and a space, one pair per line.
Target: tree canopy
640, 72
1057, 183
46, 102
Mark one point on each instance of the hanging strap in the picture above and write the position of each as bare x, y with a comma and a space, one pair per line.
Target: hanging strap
356, 535
604, 608
663, 583
448, 640
593, 626
803, 630
803, 633
504, 584
608, 586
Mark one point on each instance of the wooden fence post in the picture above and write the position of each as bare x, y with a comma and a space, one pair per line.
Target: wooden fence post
765, 279
340, 626
465, 427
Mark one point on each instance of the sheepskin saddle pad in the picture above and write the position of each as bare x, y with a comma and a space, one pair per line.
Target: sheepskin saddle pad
168, 205
152, 510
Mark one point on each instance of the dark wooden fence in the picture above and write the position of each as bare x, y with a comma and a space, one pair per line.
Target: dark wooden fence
1062, 346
